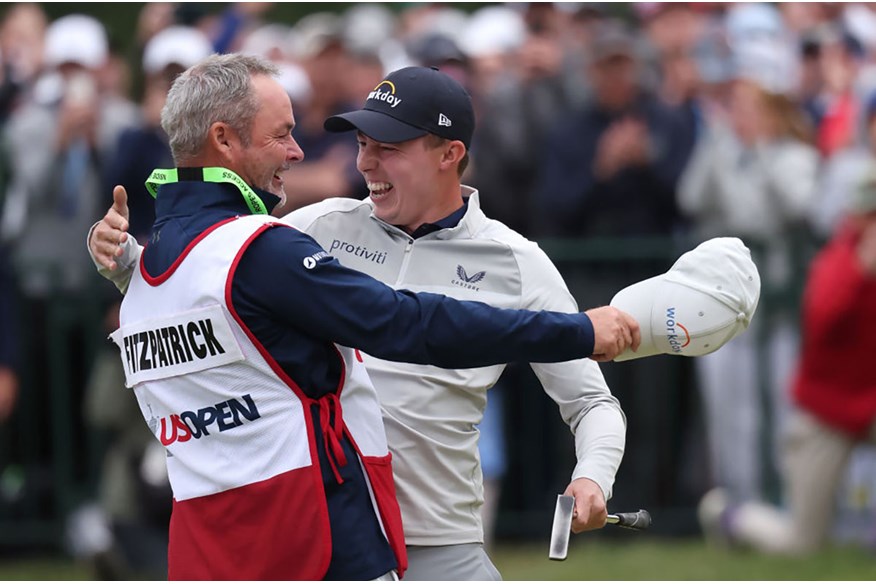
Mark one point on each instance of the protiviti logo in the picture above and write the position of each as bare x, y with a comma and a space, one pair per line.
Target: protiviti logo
676, 333
225, 415
387, 95
378, 257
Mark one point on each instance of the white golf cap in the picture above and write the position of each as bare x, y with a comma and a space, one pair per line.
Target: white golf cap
707, 297
176, 45
76, 38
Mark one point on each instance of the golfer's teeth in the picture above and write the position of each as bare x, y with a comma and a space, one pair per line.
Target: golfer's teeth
379, 187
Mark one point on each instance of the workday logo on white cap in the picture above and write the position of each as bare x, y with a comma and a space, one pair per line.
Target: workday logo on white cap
707, 297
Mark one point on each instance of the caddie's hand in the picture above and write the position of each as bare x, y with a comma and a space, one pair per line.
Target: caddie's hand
590, 511
112, 231
613, 331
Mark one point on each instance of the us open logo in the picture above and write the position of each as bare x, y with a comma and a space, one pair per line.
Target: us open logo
676, 333
189, 425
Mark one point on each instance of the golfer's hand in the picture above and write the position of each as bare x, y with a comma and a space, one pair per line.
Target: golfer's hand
112, 231
590, 511
614, 331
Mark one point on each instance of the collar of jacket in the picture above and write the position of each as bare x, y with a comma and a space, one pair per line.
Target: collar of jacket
188, 196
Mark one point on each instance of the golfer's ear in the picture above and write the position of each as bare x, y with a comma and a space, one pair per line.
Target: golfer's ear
454, 151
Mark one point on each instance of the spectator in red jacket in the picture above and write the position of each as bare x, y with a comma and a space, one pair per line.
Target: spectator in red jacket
834, 391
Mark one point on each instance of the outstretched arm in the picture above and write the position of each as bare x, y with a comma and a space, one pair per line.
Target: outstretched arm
112, 250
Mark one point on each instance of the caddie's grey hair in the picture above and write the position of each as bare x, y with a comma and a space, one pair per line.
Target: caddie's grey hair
218, 89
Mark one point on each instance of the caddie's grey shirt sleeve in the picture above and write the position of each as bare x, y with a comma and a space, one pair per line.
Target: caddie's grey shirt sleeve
578, 387
121, 276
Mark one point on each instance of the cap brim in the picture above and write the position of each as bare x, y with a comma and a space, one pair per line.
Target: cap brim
376, 125
675, 319
637, 300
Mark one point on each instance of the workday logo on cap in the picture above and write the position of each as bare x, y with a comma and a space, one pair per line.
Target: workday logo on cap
707, 298
411, 103
387, 96
677, 334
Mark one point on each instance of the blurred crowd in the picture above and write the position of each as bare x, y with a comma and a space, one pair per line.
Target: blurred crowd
675, 120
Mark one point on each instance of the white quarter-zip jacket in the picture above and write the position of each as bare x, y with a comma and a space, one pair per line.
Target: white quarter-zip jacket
431, 413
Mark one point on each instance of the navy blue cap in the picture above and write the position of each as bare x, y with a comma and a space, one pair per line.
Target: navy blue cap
410, 103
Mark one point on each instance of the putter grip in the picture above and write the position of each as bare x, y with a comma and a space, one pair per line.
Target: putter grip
638, 520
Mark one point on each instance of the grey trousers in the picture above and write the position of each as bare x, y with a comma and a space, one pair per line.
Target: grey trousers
466, 561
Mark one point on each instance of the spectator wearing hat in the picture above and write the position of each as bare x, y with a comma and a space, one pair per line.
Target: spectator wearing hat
834, 394
59, 147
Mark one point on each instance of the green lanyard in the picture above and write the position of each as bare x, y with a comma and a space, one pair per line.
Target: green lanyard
215, 174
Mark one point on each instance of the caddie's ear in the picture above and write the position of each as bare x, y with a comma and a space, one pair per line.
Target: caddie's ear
222, 139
